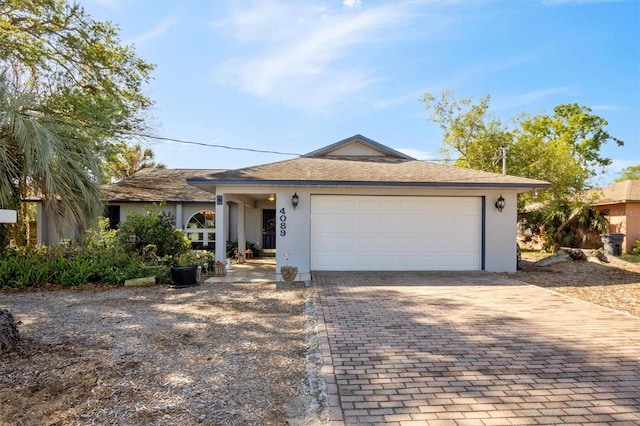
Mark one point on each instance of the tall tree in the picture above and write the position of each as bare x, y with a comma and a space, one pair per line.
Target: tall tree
127, 160
562, 148
78, 65
41, 156
70, 88
629, 173
471, 137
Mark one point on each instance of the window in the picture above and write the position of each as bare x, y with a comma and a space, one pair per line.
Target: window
113, 214
201, 230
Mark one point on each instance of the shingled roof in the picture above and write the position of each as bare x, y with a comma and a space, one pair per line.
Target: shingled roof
158, 185
360, 172
627, 191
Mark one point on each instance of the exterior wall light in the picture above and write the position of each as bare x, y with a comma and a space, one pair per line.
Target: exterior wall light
295, 200
500, 203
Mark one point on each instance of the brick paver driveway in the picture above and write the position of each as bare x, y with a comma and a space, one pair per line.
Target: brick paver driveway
472, 349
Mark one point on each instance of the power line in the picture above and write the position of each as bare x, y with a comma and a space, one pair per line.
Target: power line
148, 136
210, 145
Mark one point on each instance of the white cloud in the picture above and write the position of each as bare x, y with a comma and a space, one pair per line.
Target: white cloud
351, 4
528, 98
301, 55
157, 31
604, 107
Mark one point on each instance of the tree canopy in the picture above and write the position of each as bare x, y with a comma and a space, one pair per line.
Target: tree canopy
77, 66
472, 138
629, 173
128, 159
70, 90
562, 148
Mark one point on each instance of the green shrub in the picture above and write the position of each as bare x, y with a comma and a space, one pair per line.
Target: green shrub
142, 230
71, 266
103, 236
232, 249
103, 256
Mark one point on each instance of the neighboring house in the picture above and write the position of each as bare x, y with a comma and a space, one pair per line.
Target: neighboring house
359, 205
620, 202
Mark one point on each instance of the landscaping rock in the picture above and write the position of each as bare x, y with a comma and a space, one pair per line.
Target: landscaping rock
140, 282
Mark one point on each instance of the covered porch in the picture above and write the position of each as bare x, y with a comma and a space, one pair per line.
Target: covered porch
250, 219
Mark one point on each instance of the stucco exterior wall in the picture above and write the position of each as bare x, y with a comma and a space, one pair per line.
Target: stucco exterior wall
500, 227
633, 225
624, 218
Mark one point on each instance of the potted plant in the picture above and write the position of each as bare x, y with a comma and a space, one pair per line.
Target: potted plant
184, 270
289, 273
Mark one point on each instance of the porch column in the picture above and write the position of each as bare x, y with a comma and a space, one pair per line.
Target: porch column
42, 225
222, 228
242, 239
179, 217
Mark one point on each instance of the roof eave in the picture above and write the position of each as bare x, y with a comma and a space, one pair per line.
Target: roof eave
375, 184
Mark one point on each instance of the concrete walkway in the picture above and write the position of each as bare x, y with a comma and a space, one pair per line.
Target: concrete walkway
255, 270
472, 349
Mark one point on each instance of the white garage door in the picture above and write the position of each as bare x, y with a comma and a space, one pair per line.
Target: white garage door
386, 233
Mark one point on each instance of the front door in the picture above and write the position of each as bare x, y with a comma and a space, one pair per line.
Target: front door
269, 229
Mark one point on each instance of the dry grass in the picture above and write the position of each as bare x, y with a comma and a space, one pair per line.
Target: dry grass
615, 285
212, 354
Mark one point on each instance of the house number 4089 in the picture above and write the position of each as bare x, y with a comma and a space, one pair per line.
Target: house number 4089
283, 222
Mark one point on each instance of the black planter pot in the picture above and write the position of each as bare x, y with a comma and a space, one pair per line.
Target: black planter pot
184, 276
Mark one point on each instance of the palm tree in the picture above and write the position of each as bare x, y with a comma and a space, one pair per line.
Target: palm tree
129, 159
47, 158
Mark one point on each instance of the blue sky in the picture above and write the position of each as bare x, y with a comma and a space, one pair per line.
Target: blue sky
294, 76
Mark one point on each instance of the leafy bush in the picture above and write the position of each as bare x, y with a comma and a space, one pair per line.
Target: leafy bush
191, 258
70, 266
103, 236
232, 249
565, 224
141, 230
103, 256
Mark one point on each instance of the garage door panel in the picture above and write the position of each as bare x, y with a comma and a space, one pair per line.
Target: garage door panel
396, 233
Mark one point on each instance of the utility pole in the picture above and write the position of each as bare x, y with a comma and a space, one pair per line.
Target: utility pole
503, 154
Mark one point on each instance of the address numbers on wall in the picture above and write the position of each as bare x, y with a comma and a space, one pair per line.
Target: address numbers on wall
283, 222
